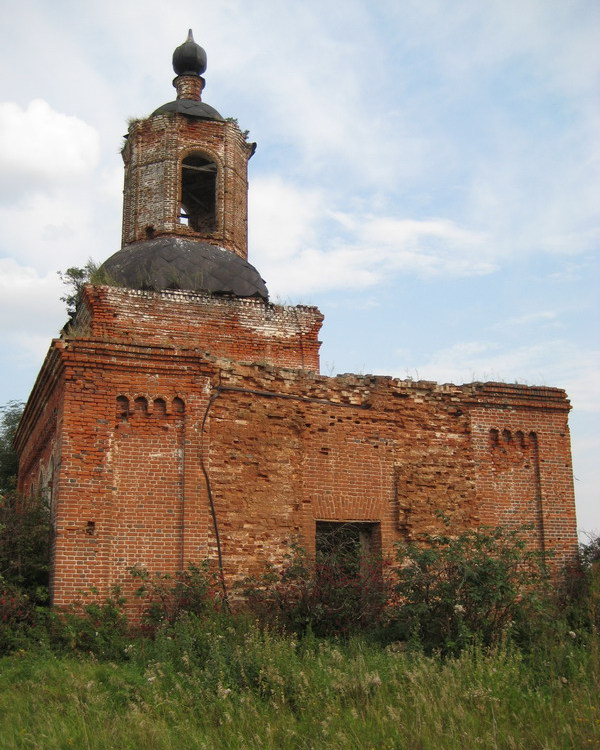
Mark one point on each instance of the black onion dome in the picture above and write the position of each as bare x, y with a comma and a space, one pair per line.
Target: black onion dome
165, 263
189, 59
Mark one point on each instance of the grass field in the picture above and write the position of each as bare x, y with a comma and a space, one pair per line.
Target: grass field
231, 685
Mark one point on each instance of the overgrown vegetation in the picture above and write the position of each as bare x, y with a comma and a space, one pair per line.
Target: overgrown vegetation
482, 586
24, 544
339, 594
76, 277
24, 522
197, 677
167, 598
226, 683
10, 415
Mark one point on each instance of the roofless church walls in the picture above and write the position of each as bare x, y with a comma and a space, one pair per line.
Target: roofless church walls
179, 384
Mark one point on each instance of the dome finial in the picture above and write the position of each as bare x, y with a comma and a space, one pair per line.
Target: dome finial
189, 59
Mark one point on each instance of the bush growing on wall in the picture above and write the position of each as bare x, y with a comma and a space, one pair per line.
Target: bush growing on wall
192, 591
329, 596
479, 586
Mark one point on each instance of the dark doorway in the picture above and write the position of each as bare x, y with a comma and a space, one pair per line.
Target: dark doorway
348, 571
350, 545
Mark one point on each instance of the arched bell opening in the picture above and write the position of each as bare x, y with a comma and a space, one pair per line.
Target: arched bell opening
198, 206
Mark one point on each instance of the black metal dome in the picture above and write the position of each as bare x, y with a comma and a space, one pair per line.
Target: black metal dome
166, 263
189, 59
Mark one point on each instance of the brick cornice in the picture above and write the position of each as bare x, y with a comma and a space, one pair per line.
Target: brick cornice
49, 378
508, 396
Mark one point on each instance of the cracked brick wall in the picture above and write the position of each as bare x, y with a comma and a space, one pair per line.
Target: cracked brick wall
127, 414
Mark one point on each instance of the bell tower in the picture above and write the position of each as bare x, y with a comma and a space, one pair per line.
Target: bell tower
186, 168
185, 197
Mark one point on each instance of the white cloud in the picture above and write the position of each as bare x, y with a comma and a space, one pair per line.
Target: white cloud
41, 148
557, 363
50, 231
429, 247
301, 245
29, 300
283, 217
536, 197
539, 316
470, 37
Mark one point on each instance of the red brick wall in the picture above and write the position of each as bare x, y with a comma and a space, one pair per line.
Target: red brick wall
135, 410
244, 329
523, 462
147, 467
294, 451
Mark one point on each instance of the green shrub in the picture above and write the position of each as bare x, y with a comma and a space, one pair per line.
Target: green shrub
92, 627
479, 586
25, 544
18, 617
335, 595
10, 415
167, 597
24, 522
581, 589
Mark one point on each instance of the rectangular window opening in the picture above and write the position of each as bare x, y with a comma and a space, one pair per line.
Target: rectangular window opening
350, 548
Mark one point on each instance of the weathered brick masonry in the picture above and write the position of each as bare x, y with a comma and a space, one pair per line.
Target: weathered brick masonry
120, 441
246, 329
151, 197
157, 394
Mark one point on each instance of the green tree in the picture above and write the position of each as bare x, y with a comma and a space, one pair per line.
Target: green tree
24, 522
74, 279
10, 415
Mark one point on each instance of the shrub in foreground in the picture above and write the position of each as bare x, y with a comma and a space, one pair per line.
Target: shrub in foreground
335, 595
195, 590
442, 595
479, 586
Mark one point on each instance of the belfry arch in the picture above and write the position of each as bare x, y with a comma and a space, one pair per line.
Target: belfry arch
198, 177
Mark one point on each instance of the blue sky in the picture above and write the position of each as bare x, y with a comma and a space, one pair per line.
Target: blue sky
427, 174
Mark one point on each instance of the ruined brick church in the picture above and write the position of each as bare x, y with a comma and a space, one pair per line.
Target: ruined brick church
181, 416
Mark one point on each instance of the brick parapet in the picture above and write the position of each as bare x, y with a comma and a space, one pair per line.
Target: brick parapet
504, 395
244, 329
